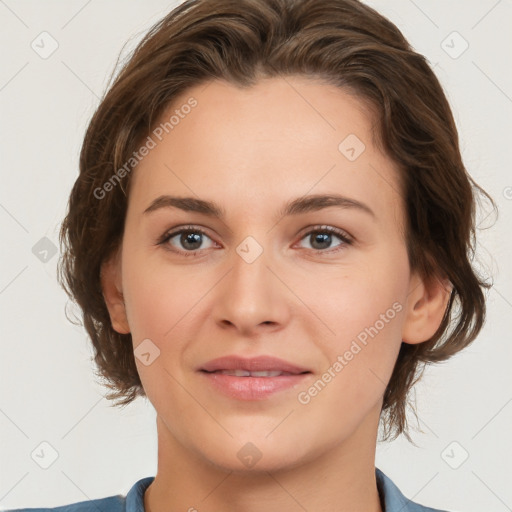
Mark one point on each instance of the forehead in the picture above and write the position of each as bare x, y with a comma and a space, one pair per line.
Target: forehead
250, 147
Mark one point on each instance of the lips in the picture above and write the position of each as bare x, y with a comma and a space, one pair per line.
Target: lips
253, 379
261, 366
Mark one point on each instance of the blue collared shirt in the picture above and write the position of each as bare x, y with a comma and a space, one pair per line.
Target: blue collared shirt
391, 496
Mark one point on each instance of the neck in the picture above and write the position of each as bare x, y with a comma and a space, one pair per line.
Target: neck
341, 478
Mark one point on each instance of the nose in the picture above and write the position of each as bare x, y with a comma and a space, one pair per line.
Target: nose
251, 298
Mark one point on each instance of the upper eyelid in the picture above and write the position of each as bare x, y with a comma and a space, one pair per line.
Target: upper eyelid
180, 229
326, 227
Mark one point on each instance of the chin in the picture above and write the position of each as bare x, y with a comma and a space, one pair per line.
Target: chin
255, 454
273, 463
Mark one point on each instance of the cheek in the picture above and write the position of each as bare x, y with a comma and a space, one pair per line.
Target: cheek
362, 312
159, 295
349, 301
161, 301
165, 304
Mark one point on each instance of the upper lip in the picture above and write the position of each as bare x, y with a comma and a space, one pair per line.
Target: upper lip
253, 364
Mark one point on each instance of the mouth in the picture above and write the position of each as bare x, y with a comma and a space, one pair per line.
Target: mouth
253, 378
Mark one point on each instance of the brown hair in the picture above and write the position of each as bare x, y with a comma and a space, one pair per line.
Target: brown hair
342, 42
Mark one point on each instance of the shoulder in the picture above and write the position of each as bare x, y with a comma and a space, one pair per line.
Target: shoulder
112, 504
393, 500
132, 502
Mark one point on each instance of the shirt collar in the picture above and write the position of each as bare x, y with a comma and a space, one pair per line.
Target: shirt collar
135, 497
392, 499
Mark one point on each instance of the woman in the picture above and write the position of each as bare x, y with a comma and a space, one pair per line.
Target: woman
269, 238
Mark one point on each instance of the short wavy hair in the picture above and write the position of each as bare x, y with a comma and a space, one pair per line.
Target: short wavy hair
342, 42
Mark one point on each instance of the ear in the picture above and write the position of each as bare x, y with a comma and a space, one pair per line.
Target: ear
425, 308
113, 293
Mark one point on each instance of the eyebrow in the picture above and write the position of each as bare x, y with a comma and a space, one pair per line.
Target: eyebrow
296, 206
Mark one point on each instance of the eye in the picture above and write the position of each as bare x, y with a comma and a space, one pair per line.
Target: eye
190, 240
187, 241
321, 238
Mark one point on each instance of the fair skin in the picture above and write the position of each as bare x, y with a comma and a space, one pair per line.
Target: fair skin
251, 151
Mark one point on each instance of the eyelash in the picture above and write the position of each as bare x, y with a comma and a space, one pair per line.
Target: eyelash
342, 235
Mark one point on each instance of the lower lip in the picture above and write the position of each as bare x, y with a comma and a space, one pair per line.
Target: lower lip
252, 388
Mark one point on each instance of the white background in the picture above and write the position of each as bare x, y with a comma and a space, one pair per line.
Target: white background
47, 386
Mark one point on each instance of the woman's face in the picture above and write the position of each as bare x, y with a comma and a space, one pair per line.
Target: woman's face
323, 284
